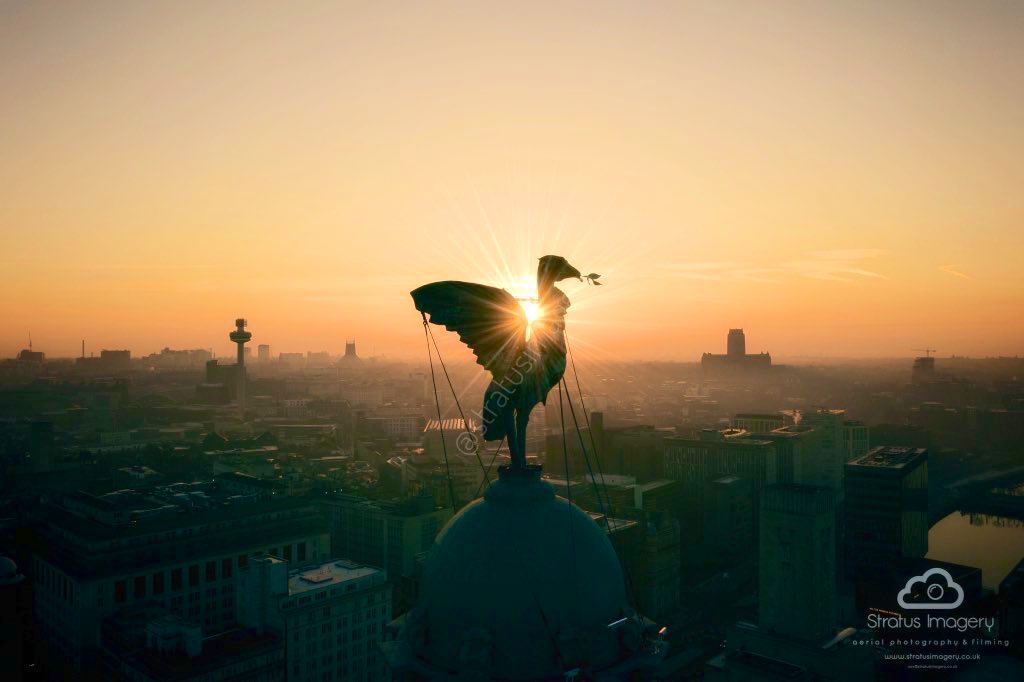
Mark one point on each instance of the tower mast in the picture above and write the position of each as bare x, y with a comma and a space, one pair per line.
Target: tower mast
240, 337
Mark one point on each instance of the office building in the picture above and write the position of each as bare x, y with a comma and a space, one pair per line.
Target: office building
729, 520
695, 462
886, 510
839, 441
797, 570
758, 423
178, 548
332, 616
388, 534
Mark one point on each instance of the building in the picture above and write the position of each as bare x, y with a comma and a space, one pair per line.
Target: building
754, 654
1011, 607
252, 487
654, 558
886, 510
637, 451
736, 357
389, 534
858, 438
839, 441
350, 357
116, 360
798, 456
729, 520
151, 645
797, 567
178, 548
33, 356
263, 353
695, 462
510, 571
12, 620
448, 438
332, 616
758, 423
923, 370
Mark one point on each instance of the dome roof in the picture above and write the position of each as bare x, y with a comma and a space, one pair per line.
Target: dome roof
521, 585
9, 572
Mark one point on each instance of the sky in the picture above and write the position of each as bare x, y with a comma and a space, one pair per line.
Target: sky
839, 179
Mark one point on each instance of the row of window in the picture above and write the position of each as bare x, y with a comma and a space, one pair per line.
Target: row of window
210, 573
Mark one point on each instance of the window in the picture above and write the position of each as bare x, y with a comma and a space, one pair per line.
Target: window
211, 571
140, 587
287, 552
193, 575
243, 560
158, 583
225, 568
302, 551
120, 591
176, 579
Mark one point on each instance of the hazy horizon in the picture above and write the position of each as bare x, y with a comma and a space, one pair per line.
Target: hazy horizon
840, 180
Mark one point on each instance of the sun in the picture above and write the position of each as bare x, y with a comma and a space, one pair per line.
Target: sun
531, 309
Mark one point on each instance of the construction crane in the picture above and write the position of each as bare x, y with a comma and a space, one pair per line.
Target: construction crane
927, 351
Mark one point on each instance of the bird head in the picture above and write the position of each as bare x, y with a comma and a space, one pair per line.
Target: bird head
555, 269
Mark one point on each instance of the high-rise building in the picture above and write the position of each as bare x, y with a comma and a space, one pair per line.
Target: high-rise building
388, 534
178, 548
758, 423
332, 616
886, 510
798, 455
714, 454
263, 352
839, 441
857, 437
729, 519
797, 572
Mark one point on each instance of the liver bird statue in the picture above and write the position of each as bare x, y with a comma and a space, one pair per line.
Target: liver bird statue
521, 344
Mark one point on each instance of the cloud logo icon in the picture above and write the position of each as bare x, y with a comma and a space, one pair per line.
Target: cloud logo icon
936, 595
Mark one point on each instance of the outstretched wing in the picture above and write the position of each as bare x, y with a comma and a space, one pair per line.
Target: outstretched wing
488, 320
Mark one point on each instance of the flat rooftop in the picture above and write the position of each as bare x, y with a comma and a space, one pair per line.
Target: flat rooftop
331, 573
890, 456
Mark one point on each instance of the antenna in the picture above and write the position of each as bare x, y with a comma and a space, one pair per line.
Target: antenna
30, 341
927, 351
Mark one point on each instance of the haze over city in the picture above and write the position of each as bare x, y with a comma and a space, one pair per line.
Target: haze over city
841, 180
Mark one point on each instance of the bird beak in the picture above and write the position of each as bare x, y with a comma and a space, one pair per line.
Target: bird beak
569, 271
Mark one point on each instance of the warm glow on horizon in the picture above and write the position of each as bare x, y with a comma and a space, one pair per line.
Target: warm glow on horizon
825, 177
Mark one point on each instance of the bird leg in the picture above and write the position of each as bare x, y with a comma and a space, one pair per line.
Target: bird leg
522, 418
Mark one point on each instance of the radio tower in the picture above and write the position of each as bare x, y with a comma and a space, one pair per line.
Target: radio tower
241, 337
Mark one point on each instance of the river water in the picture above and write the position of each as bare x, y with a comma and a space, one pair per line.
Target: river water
992, 543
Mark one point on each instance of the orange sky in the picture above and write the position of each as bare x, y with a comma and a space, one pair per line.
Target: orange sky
836, 178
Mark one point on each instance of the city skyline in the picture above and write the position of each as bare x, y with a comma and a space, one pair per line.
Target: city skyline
722, 166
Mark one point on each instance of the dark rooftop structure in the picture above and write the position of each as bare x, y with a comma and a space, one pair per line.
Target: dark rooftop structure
890, 456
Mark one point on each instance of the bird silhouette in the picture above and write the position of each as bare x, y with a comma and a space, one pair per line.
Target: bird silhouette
524, 353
